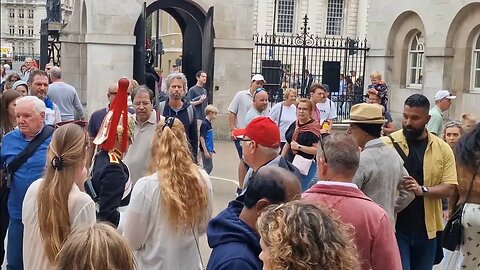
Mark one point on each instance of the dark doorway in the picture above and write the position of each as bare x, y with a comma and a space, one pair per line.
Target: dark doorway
198, 34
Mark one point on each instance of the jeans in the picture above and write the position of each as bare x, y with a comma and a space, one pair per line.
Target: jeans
416, 250
305, 181
207, 162
238, 146
15, 245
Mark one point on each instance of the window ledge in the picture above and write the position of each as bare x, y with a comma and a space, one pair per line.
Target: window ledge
415, 86
475, 91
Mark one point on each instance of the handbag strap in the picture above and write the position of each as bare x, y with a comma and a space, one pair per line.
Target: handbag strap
198, 250
26, 153
471, 184
398, 148
280, 116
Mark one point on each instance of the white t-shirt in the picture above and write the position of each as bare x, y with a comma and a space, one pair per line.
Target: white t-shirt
328, 110
289, 115
81, 210
254, 113
146, 229
241, 103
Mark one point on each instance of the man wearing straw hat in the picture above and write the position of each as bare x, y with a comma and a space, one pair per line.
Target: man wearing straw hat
380, 174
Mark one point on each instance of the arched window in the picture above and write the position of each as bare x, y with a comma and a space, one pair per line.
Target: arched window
30, 48
21, 48
476, 65
415, 61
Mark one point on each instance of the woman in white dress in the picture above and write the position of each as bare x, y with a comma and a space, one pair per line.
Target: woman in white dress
169, 209
55, 205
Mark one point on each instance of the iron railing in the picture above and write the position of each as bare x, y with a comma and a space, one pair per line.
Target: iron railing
295, 61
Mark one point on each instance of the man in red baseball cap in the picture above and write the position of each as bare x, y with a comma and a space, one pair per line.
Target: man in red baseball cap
260, 141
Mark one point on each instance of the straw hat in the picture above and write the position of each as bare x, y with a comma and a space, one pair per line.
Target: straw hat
367, 114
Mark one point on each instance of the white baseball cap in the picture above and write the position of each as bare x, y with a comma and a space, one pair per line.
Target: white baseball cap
444, 94
258, 77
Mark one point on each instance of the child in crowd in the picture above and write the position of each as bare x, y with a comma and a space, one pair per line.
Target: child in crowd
98, 247
379, 87
468, 122
206, 138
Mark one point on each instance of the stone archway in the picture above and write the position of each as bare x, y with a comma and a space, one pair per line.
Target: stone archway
197, 30
102, 50
405, 26
458, 45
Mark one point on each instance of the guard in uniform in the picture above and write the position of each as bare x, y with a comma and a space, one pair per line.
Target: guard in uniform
109, 175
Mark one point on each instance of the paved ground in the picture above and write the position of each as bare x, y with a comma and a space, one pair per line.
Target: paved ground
224, 181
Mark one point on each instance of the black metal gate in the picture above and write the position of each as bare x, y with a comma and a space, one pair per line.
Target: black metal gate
297, 61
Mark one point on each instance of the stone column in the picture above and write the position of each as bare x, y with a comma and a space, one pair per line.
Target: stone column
233, 55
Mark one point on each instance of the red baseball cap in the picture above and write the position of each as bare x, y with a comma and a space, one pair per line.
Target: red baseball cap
262, 130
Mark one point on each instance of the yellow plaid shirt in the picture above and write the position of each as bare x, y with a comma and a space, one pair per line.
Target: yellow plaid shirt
438, 168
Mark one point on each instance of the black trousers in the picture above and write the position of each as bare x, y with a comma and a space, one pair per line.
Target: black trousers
4, 220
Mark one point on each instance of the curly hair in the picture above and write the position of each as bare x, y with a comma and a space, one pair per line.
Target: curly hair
68, 144
183, 192
300, 236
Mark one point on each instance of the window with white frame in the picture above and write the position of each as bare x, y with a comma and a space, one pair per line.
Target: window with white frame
285, 16
21, 48
475, 78
415, 61
11, 30
334, 24
21, 13
30, 30
11, 13
21, 30
30, 48
30, 13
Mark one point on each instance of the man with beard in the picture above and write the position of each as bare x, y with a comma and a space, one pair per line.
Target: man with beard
433, 176
176, 106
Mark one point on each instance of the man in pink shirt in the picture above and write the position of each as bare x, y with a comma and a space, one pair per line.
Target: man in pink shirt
338, 158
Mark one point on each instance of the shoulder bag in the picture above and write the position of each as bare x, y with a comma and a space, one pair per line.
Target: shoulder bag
452, 235
280, 115
6, 179
202, 266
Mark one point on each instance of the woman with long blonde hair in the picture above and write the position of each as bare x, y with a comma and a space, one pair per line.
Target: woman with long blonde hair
55, 205
169, 209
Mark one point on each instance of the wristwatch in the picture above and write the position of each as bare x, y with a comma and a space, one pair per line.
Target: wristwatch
299, 147
425, 189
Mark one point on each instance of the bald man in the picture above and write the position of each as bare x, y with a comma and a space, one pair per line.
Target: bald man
65, 96
260, 104
232, 234
96, 119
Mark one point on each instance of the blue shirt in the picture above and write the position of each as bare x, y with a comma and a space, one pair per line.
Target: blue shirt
206, 131
12, 144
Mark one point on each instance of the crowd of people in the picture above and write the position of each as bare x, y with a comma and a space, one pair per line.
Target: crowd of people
126, 190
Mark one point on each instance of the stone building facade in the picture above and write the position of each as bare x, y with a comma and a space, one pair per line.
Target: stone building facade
105, 30
20, 24
425, 46
331, 18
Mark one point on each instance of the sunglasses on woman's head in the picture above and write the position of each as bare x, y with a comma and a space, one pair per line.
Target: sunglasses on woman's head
454, 123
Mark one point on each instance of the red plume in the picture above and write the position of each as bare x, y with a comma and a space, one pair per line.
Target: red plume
119, 108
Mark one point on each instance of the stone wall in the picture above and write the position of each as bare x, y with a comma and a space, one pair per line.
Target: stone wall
448, 28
